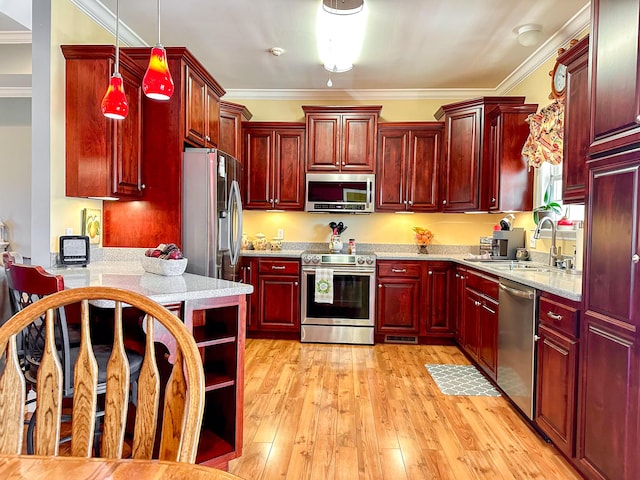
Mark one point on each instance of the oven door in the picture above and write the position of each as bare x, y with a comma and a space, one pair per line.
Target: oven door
353, 298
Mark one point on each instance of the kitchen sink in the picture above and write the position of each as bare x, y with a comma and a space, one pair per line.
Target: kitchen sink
526, 267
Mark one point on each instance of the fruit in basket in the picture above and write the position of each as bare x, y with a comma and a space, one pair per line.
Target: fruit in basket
169, 251
423, 235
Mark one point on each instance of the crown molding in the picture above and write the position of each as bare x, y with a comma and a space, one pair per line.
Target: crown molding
372, 94
104, 17
19, 36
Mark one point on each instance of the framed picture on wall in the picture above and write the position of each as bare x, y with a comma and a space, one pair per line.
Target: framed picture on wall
92, 224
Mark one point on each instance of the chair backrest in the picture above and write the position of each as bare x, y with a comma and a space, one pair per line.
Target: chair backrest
28, 284
183, 393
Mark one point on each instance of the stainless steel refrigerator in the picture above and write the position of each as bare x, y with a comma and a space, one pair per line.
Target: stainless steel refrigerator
211, 213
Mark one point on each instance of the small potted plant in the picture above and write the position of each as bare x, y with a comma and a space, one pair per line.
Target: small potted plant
423, 237
548, 208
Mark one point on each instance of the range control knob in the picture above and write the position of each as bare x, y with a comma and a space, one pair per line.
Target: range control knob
360, 260
305, 259
316, 259
369, 260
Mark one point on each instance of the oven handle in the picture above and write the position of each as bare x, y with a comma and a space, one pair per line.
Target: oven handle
344, 271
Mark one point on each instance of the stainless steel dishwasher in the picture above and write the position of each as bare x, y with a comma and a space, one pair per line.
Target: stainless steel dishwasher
517, 334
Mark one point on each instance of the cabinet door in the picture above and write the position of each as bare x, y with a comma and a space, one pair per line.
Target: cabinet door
488, 336
458, 304
461, 172
358, 143
279, 308
391, 184
249, 272
471, 324
398, 305
615, 86
557, 369
422, 175
323, 142
438, 319
289, 169
195, 106
212, 125
258, 162
576, 124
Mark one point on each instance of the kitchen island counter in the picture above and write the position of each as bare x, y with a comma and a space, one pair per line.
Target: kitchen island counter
130, 275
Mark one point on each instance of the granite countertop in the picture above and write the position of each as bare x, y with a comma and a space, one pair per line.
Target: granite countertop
555, 281
130, 275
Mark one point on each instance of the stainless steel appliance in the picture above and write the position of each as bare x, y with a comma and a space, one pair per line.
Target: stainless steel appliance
340, 192
211, 213
350, 317
505, 243
517, 334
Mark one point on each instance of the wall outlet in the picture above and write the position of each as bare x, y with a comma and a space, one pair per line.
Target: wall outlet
532, 241
280, 233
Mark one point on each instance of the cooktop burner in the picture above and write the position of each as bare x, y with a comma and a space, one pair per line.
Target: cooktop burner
360, 259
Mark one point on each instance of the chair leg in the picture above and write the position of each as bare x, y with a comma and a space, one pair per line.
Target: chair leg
30, 430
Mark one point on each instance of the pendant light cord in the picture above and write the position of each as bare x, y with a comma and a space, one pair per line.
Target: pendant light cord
159, 22
117, 64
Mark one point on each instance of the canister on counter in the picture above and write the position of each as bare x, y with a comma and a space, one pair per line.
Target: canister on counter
352, 245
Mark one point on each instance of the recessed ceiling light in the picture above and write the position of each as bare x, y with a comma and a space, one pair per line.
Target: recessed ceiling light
276, 51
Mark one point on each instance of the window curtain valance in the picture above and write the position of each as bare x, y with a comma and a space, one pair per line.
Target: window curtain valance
546, 132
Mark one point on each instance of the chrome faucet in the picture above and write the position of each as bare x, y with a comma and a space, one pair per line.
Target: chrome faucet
554, 251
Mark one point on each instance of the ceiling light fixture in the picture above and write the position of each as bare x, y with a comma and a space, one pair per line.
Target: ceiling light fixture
114, 103
157, 82
529, 34
340, 32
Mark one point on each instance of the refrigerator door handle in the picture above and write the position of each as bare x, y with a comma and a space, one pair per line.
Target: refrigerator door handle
235, 232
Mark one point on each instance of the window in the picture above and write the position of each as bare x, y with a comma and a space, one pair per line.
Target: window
549, 174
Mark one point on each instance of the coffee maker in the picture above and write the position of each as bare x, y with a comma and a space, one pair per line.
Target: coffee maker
505, 243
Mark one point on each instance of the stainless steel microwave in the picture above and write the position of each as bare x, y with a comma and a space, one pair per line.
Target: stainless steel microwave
340, 192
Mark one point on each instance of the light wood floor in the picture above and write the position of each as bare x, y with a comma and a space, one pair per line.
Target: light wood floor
325, 412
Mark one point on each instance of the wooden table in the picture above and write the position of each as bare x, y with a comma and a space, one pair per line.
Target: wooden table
23, 467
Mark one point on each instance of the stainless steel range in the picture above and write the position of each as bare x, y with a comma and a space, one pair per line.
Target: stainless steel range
345, 312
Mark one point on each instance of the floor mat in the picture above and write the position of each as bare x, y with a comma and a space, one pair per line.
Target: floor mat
461, 380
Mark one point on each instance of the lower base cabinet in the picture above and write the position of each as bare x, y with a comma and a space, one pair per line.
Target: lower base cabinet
274, 306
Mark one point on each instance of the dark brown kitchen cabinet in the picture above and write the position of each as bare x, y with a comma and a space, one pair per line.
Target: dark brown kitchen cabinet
407, 166
278, 296
480, 325
457, 303
467, 165
103, 156
398, 300
576, 123
163, 141
274, 165
202, 110
341, 139
249, 275
609, 390
557, 370
506, 182
231, 117
438, 314
615, 69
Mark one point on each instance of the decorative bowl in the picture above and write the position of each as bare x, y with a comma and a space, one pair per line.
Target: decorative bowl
160, 266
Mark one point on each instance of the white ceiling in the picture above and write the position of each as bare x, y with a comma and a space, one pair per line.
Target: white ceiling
412, 47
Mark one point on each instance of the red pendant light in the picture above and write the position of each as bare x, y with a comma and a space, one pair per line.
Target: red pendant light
157, 82
114, 103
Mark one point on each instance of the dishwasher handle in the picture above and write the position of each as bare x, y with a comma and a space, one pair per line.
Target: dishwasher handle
517, 293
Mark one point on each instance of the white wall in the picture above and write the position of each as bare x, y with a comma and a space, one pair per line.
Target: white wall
15, 171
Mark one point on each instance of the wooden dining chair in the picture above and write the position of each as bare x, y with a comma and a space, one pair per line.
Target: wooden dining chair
183, 393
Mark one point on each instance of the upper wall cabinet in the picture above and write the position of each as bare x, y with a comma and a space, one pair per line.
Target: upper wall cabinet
103, 156
467, 166
615, 74
231, 118
165, 135
341, 138
507, 184
407, 166
576, 123
202, 109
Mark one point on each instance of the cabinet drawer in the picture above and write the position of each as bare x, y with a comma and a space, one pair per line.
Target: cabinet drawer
399, 269
483, 284
559, 317
279, 266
